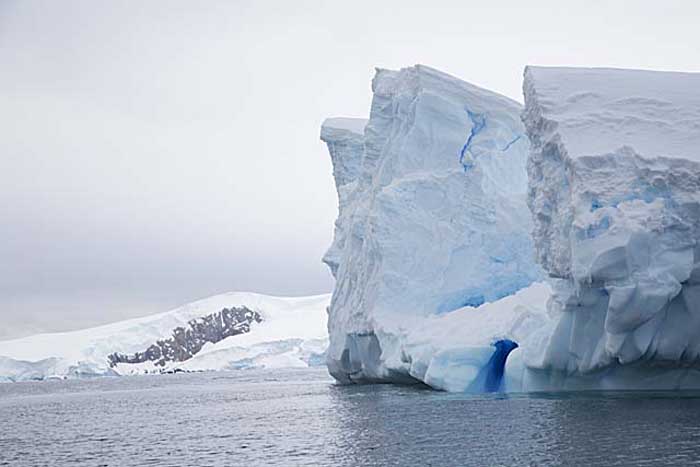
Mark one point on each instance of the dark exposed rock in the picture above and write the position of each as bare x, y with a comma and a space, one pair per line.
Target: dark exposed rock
186, 342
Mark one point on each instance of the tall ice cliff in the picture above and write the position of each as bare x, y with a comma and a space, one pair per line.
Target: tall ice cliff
432, 219
614, 188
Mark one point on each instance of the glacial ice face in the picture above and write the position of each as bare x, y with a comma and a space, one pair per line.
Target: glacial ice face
614, 188
345, 140
432, 218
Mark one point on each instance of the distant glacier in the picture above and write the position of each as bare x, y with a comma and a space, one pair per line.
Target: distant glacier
225, 332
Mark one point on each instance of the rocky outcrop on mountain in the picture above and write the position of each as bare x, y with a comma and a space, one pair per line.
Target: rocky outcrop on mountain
186, 342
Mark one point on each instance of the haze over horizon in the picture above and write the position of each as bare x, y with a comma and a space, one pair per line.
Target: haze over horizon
156, 153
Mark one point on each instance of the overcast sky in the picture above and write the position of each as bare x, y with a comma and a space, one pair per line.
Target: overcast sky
153, 153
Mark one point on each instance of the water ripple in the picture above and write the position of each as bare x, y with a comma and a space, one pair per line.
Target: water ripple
299, 418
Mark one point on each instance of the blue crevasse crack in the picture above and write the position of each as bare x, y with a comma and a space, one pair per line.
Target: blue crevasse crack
478, 124
592, 231
500, 288
474, 301
515, 140
647, 194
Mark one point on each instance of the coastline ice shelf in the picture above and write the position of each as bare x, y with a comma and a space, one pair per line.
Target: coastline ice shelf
432, 223
614, 188
292, 333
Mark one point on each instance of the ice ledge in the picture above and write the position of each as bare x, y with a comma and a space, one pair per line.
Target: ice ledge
421, 78
331, 127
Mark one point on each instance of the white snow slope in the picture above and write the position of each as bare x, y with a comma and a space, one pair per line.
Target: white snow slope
614, 188
292, 334
432, 222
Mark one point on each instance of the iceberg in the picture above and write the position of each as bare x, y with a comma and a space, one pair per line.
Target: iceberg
432, 242
614, 189
345, 140
230, 331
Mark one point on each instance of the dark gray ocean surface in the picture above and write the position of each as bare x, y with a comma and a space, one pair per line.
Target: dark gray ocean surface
289, 418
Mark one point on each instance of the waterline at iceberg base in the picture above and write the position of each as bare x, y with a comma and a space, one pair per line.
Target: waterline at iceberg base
475, 251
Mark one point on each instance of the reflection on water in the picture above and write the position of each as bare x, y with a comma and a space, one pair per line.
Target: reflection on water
300, 418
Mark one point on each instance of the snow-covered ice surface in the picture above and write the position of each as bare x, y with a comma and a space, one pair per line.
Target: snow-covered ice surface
292, 334
432, 223
614, 188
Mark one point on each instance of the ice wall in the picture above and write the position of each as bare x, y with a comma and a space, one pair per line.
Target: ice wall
432, 219
614, 188
345, 140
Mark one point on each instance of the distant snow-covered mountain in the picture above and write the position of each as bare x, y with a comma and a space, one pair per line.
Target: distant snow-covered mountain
234, 330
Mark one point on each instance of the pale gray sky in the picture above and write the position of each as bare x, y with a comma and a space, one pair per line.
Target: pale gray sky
153, 153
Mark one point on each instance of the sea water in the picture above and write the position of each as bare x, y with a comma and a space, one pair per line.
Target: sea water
300, 417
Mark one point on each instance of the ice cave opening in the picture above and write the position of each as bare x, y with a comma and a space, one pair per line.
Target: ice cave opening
492, 373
